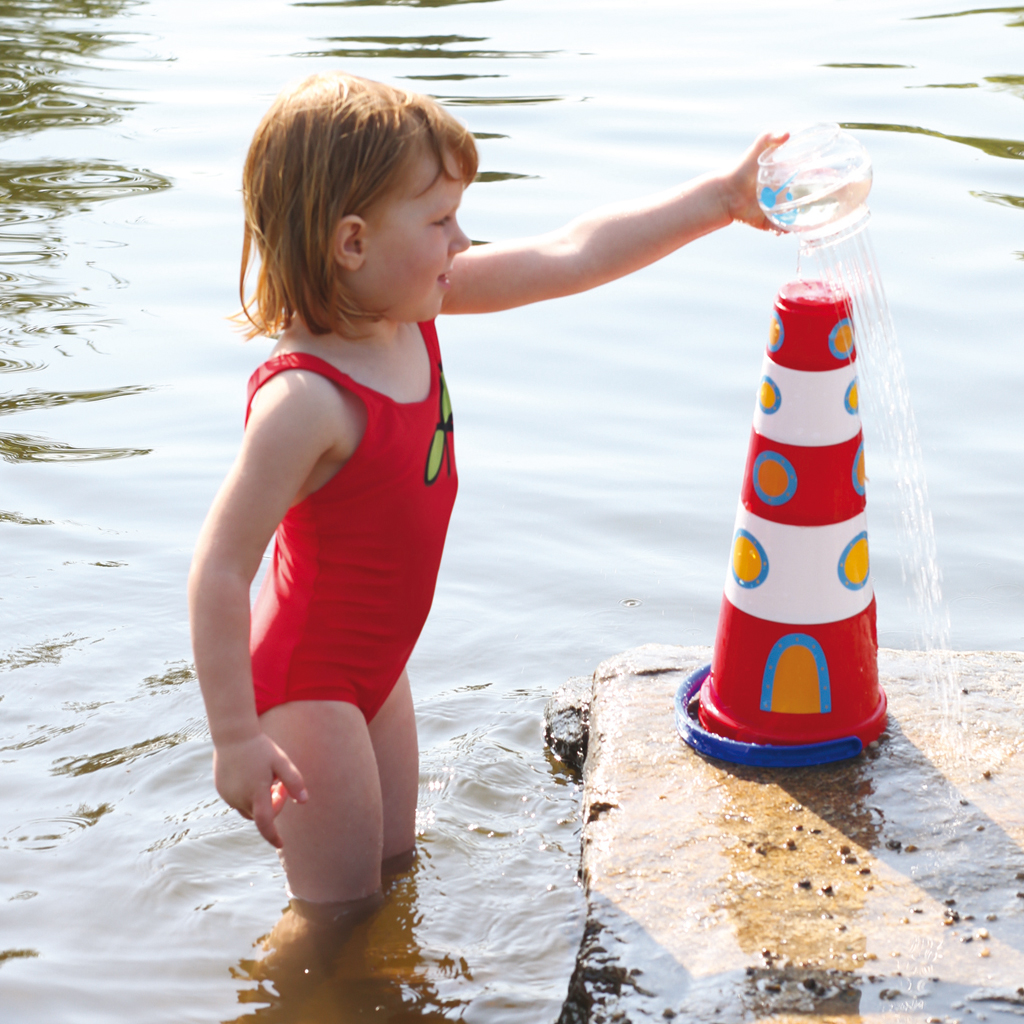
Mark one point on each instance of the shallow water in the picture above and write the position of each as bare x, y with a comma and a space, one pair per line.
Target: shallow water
601, 441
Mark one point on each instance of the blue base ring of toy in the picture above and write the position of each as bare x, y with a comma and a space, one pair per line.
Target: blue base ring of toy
765, 755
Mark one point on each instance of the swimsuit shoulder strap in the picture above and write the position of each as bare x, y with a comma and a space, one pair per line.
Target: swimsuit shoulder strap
429, 332
301, 361
304, 361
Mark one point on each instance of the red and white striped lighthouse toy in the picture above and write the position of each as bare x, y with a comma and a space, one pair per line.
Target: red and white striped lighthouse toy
794, 674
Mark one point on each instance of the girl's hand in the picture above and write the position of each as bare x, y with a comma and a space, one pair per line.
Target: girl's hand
256, 777
740, 185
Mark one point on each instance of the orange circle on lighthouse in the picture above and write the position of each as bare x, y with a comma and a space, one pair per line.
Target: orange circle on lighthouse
772, 478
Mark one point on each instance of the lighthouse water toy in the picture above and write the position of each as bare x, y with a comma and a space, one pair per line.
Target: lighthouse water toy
794, 678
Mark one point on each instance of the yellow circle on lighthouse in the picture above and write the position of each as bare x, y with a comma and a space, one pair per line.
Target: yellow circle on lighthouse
854, 564
746, 560
857, 562
862, 478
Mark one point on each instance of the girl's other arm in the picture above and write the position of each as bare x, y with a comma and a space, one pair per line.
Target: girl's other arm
293, 428
606, 244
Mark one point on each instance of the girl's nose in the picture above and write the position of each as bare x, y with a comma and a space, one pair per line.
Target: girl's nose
460, 241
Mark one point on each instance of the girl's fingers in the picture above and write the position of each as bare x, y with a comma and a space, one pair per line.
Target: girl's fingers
263, 815
278, 796
291, 778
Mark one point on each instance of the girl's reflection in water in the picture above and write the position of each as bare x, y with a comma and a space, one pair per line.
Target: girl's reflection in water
348, 962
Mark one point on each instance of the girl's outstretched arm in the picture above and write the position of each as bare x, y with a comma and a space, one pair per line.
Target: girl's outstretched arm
300, 422
607, 243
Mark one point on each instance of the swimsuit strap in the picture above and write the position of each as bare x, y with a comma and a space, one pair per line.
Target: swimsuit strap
304, 361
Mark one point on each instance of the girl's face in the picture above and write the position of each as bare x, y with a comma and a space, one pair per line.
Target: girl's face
409, 242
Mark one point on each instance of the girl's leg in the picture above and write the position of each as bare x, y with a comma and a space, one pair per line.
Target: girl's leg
333, 843
393, 735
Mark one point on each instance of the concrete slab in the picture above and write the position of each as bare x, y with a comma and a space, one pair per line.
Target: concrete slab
889, 885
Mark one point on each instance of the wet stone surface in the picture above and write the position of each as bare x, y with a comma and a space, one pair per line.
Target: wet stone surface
891, 884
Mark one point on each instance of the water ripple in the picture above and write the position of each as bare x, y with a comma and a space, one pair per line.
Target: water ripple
26, 448
20, 520
46, 652
40, 60
65, 186
86, 764
47, 833
388, 47
387, 3
33, 399
1007, 149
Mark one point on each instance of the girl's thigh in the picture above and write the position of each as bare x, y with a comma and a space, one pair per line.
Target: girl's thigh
393, 735
333, 843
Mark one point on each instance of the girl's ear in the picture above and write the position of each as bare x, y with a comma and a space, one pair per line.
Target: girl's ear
350, 242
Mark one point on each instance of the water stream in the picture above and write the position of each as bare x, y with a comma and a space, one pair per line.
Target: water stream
847, 263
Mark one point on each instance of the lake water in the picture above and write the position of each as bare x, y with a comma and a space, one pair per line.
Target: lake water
601, 441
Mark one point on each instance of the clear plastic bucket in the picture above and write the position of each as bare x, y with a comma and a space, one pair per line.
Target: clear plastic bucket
816, 183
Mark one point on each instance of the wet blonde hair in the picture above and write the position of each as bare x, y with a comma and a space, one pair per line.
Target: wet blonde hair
331, 146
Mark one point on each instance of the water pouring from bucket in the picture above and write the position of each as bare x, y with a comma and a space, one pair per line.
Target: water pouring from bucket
794, 678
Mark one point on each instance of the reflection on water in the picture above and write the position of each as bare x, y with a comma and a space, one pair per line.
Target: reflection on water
1001, 199
1009, 149
387, 3
26, 448
495, 101
42, 53
1017, 22
38, 61
1008, 83
20, 520
860, 65
47, 833
429, 47
33, 399
46, 652
88, 764
35, 198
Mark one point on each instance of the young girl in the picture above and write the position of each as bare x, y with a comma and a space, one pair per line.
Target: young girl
351, 192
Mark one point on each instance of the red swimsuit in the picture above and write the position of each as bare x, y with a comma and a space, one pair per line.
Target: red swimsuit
355, 564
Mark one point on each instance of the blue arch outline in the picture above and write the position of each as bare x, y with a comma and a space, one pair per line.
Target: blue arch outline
843, 578
774, 407
762, 575
779, 499
777, 344
859, 487
844, 356
782, 645
851, 409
